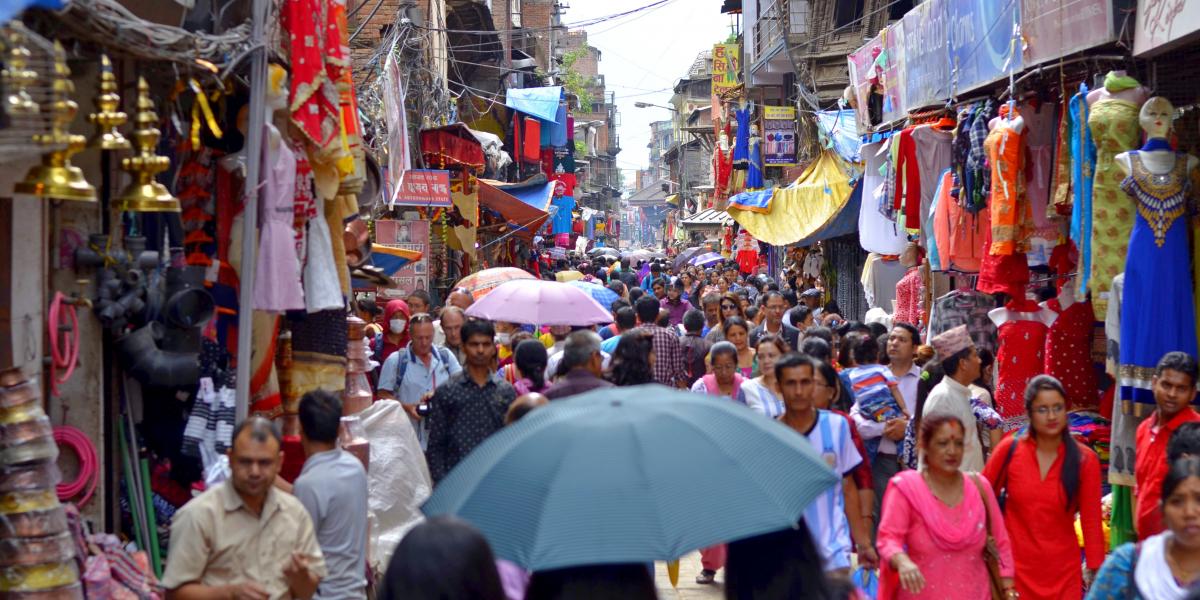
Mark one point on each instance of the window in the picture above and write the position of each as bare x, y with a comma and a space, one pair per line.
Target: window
846, 12
514, 11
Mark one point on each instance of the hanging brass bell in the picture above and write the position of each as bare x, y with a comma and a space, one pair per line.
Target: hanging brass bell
56, 178
145, 194
108, 117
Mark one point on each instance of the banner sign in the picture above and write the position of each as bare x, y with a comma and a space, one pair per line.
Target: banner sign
779, 136
1055, 28
423, 187
727, 63
926, 70
875, 69
1163, 24
983, 44
409, 235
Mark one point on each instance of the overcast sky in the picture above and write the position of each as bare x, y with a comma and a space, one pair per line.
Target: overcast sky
643, 54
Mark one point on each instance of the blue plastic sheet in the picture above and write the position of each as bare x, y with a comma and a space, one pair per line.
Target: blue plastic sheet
839, 131
540, 102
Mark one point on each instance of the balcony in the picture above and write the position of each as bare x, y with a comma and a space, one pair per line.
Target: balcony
782, 22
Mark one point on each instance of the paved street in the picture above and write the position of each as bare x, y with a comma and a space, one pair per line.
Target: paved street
688, 589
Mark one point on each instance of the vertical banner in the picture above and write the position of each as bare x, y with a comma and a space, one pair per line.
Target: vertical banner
779, 136
876, 81
727, 63
409, 235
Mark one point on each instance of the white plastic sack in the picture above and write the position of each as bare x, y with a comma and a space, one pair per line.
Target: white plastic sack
398, 480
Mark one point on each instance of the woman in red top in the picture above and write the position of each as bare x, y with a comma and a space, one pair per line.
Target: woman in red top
1042, 478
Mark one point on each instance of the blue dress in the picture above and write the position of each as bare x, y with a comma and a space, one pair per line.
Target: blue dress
741, 139
1083, 161
1157, 314
754, 171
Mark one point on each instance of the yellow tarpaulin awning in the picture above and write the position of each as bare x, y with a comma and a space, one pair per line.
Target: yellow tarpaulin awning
802, 208
673, 200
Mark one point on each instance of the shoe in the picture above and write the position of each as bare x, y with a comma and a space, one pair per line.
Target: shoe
706, 577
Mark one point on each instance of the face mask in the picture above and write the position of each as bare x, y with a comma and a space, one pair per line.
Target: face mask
397, 326
503, 338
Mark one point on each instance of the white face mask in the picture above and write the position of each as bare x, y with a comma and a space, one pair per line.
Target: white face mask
503, 338
397, 326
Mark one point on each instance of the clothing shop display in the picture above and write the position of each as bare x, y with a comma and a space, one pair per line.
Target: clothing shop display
1022, 328
277, 273
754, 165
968, 308
1114, 128
741, 141
1083, 164
924, 153
1009, 204
1068, 355
908, 299
958, 234
1157, 278
876, 232
879, 278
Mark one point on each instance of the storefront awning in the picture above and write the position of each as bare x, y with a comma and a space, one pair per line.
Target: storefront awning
845, 223
802, 208
525, 205
451, 146
709, 217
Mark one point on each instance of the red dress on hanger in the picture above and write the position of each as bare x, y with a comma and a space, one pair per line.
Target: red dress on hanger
1069, 353
1019, 357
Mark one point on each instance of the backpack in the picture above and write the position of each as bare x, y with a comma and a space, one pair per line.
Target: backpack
402, 363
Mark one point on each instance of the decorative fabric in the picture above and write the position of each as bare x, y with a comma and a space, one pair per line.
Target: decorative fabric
965, 308
1060, 186
754, 166
1069, 353
1114, 127
1021, 356
1083, 162
1158, 314
1009, 206
1114, 83
313, 99
741, 142
908, 298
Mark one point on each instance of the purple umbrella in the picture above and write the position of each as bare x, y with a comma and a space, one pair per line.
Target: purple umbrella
538, 302
705, 260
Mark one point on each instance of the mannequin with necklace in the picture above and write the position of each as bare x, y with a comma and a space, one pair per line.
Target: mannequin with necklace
1157, 310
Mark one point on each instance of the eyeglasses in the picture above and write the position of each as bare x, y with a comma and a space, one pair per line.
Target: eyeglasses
1043, 411
728, 307
420, 318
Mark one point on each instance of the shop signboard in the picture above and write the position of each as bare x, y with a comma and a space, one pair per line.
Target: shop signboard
727, 63
926, 72
984, 46
1056, 28
876, 66
1164, 24
408, 235
779, 136
423, 187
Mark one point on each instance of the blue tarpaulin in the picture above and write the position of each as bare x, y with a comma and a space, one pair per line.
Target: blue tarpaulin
540, 102
839, 131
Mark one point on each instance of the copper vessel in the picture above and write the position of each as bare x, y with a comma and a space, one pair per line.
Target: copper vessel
37, 551
25, 431
17, 394
34, 523
30, 477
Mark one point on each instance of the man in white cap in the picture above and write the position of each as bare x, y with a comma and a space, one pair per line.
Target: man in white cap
961, 364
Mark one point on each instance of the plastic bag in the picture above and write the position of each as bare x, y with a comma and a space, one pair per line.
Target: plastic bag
867, 582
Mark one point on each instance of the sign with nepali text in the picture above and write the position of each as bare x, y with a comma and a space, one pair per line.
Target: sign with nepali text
423, 187
727, 63
409, 235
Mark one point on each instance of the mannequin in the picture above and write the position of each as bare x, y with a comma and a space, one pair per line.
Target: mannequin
276, 101
1156, 118
1114, 89
1157, 310
1023, 326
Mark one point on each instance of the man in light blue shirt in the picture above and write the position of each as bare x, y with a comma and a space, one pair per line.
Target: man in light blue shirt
333, 489
411, 374
626, 320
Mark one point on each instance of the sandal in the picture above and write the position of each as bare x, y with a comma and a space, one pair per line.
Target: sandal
706, 577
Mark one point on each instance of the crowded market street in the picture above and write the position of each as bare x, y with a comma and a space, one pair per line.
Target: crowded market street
602, 300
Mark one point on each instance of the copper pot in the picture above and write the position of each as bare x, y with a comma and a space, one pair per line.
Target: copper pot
30, 477
19, 413
36, 450
38, 578
11, 376
36, 523
18, 394
36, 551
25, 431
356, 328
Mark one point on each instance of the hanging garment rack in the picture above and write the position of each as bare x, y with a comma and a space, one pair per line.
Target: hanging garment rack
1043, 68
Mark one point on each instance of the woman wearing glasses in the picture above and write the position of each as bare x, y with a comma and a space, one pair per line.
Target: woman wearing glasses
730, 307
1042, 478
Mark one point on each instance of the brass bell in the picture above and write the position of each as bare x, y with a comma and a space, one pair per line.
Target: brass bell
17, 76
108, 117
145, 194
56, 178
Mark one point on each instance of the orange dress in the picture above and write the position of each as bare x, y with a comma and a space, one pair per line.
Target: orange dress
1011, 213
1041, 527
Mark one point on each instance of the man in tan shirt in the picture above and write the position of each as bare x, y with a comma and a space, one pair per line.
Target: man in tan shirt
243, 539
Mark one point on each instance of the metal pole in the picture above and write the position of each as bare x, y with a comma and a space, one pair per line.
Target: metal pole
255, 127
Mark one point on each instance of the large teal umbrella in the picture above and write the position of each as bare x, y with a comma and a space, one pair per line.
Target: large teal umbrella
629, 475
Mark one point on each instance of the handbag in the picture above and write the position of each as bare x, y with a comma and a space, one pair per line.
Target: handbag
991, 553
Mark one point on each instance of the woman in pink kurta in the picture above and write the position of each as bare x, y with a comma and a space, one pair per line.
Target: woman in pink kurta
933, 529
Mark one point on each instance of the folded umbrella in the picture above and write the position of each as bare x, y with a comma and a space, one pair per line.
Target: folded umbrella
538, 302
631, 475
599, 293
482, 282
704, 260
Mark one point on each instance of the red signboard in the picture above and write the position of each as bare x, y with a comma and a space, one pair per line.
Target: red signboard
422, 187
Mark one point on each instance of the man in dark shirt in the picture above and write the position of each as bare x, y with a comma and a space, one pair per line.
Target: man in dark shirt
583, 365
470, 406
775, 305
694, 345
670, 366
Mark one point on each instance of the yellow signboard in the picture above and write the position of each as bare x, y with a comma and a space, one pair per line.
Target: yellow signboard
727, 64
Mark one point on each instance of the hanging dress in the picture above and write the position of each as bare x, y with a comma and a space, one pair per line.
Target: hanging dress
1004, 267
741, 140
277, 271
1114, 127
1157, 314
754, 170
1069, 353
1019, 357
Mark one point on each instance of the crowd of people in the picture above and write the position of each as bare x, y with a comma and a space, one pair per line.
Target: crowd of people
933, 492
